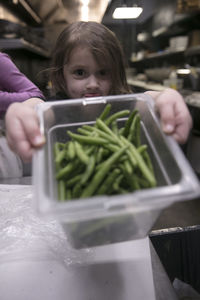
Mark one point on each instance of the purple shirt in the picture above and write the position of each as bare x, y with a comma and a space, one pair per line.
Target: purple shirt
14, 86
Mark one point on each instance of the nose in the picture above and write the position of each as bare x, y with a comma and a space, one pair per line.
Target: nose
92, 82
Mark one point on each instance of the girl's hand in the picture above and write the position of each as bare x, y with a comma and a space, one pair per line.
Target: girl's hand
174, 114
22, 128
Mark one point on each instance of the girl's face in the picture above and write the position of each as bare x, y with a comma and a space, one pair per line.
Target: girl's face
84, 77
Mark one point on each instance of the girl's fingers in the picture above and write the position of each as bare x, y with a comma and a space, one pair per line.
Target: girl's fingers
167, 116
183, 124
174, 114
22, 130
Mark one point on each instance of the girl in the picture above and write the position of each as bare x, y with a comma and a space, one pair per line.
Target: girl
88, 62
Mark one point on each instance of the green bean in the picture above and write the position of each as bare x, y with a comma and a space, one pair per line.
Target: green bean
133, 129
104, 127
143, 167
99, 155
73, 180
88, 127
89, 170
116, 184
71, 150
84, 131
90, 149
114, 127
56, 149
107, 183
66, 170
100, 132
104, 135
61, 190
100, 175
116, 139
59, 146
127, 178
137, 131
60, 156
117, 115
143, 182
128, 167
148, 161
112, 148
135, 182
87, 139
121, 130
81, 154
105, 112
141, 149
129, 122
99, 165
123, 158
121, 144
76, 190
79, 168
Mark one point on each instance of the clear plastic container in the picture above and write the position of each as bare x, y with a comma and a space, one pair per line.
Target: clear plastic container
109, 219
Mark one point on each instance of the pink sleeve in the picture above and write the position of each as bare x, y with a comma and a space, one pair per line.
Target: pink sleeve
14, 86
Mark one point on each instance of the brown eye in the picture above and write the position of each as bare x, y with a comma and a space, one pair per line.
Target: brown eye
79, 73
104, 73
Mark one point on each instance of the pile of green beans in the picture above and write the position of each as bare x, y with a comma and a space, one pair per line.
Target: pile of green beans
103, 159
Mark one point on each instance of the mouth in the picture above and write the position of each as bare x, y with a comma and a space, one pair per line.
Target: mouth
89, 95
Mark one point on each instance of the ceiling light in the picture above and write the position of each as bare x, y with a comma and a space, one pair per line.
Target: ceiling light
125, 12
84, 10
183, 71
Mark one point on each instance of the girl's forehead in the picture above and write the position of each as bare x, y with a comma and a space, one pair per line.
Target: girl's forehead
80, 53
76, 52
80, 49
83, 54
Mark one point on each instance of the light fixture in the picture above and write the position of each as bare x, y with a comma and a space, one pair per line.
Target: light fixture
125, 12
84, 10
183, 71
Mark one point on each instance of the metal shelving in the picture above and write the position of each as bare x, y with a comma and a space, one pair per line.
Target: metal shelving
162, 54
20, 43
195, 50
166, 53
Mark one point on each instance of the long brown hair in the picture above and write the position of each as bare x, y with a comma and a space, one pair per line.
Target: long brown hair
104, 46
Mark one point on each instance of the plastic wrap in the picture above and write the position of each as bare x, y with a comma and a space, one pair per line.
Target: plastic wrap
26, 236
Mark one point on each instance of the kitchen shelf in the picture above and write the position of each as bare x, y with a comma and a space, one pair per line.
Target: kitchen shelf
156, 51
167, 53
162, 54
20, 43
159, 38
192, 51
191, 99
146, 86
181, 25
